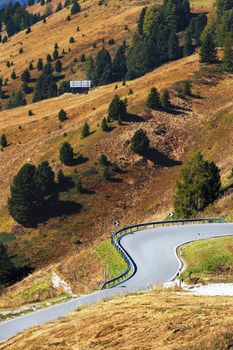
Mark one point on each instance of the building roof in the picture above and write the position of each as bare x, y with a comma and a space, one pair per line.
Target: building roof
80, 83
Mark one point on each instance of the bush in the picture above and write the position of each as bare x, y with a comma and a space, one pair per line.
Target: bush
117, 108
140, 142
103, 160
165, 100
104, 125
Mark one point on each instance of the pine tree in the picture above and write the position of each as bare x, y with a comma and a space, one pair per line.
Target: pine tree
119, 64
61, 177
25, 199
3, 141
188, 47
208, 52
59, 7
7, 268
71, 40
66, 154
90, 65
49, 58
13, 75
40, 64
165, 99
140, 142
103, 60
85, 130
103, 160
228, 53
30, 67
55, 54
75, 8
25, 77
141, 21
58, 66
62, 115
105, 126
45, 178
173, 46
198, 185
117, 108
153, 99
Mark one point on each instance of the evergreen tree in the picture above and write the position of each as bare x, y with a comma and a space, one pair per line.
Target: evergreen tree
228, 53
40, 64
30, 67
165, 99
173, 46
52, 90
45, 178
59, 7
75, 8
103, 160
105, 126
71, 40
26, 88
103, 60
90, 64
208, 53
119, 64
85, 130
13, 75
49, 58
117, 108
140, 142
198, 185
3, 141
58, 66
66, 154
25, 77
25, 199
153, 99
55, 54
17, 99
141, 21
188, 47
62, 115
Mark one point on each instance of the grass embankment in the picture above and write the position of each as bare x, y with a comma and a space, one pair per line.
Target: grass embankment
158, 320
111, 258
209, 260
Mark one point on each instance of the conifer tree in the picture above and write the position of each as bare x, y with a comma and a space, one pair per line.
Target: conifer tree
85, 130
40, 64
173, 46
105, 126
198, 185
25, 77
3, 141
62, 115
153, 99
66, 154
117, 108
140, 142
25, 198
45, 178
58, 66
165, 99
228, 53
208, 52
75, 8
188, 47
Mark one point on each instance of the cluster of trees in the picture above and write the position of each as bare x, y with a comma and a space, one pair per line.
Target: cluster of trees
31, 190
198, 185
104, 70
156, 40
218, 33
15, 17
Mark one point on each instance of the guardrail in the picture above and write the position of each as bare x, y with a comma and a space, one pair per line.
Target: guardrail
131, 266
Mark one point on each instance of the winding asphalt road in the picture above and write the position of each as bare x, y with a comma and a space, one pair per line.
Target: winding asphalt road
154, 253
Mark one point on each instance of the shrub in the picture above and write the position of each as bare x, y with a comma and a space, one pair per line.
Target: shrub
140, 142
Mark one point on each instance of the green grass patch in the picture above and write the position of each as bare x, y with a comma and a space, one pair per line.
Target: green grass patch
111, 258
209, 259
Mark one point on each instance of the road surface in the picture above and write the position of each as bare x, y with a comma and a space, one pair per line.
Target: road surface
154, 253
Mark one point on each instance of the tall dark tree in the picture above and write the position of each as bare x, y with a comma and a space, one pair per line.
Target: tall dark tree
198, 185
153, 99
140, 142
25, 198
45, 178
76, 8
119, 65
40, 64
208, 52
66, 154
141, 21
103, 59
173, 46
3, 141
188, 47
25, 77
117, 108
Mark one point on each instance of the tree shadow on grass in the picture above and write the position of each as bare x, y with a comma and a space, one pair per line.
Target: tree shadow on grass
159, 158
133, 118
176, 110
87, 191
58, 208
80, 160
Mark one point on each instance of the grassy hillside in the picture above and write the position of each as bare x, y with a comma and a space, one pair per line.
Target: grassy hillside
154, 320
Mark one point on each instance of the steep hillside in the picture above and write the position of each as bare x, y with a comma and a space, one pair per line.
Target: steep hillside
153, 320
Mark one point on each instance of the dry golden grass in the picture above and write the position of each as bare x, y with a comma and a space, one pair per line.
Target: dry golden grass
159, 320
